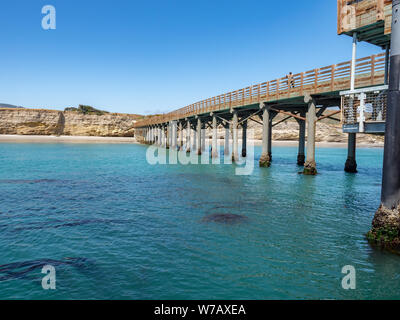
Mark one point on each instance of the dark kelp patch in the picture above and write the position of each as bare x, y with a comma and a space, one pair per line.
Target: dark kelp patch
225, 218
22, 181
19, 270
41, 226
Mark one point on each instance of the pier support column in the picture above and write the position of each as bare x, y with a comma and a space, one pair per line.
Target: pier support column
203, 137
214, 152
310, 167
302, 141
174, 142
159, 136
235, 137
226, 140
149, 136
194, 138
198, 136
168, 135
386, 224
180, 143
162, 136
244, 138
266, 155
387, 59
351, 164
188, 133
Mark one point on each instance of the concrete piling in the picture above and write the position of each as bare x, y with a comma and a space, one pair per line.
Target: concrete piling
168, 135
386, 223
198, 136
351, 164
174, 142
244, 138
302, 141
203, 137
180, 142
188, 133
266, 155
235, 138
214, 153
310, 167
226, 140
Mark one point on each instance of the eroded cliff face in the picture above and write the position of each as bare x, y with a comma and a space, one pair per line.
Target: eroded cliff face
53, 122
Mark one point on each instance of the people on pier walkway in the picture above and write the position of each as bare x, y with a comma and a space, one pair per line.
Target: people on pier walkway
290, 80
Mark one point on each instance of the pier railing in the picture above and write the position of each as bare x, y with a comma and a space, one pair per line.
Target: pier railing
369, 72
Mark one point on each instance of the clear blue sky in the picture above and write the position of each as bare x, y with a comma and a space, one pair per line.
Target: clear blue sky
154, 56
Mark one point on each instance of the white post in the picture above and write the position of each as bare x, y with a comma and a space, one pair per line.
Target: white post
353, 63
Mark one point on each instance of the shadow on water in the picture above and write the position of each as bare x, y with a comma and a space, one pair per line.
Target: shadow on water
21, 270
225, 218
24, 181
40, 226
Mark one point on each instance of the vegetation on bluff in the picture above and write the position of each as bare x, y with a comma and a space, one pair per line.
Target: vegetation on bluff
86, 110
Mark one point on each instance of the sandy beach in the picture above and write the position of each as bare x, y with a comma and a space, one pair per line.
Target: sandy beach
92, 139
64, 139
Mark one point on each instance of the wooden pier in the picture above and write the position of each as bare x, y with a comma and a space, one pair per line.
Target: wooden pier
307, 96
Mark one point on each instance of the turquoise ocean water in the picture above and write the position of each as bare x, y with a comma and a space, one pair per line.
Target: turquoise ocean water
137, 231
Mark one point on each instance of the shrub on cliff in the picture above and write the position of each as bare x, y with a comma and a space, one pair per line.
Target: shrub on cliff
86, 110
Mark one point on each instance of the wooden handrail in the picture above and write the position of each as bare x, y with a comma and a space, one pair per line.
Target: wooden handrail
323, 80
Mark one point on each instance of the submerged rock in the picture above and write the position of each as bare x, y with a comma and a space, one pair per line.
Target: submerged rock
385, 230
225, 218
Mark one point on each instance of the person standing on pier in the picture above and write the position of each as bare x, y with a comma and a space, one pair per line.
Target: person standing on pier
290, 80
